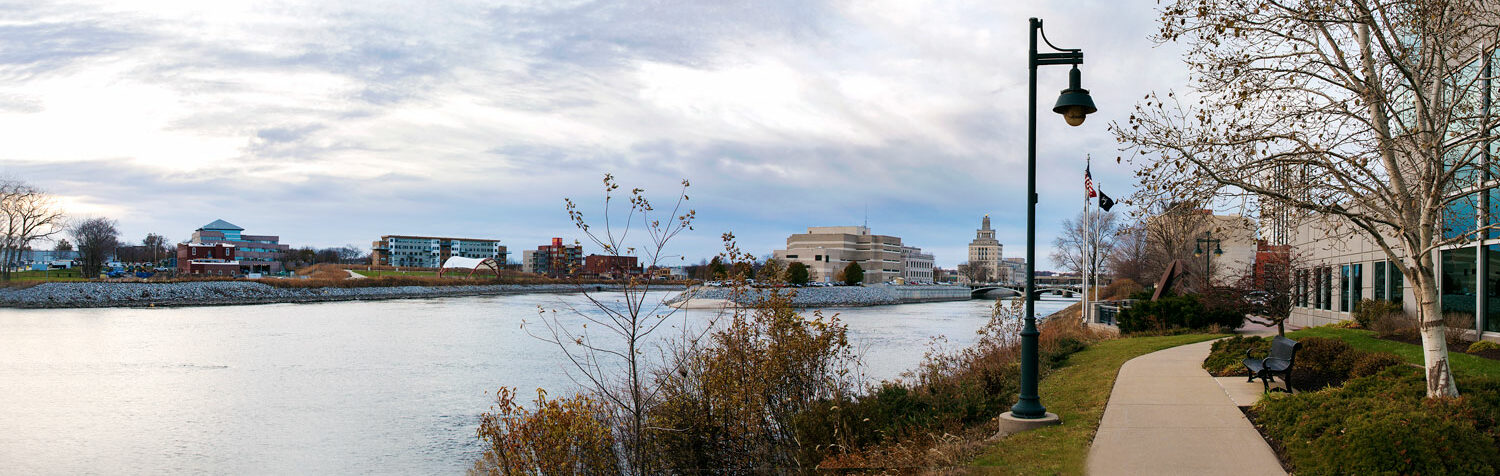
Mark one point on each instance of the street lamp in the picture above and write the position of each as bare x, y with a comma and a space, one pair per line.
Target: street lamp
1074, 104
1208, 239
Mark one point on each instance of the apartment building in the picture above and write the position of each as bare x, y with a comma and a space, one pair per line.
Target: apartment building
432, 251
555, 259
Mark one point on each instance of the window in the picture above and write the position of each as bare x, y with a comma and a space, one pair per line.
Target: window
1379, 280
1458, 281
1344, 285
1356, 286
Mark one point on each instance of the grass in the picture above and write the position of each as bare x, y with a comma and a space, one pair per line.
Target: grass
405, 273
1076, 392
1461, 363
54, 275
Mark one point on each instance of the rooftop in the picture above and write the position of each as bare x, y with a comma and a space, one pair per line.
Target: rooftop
221, 225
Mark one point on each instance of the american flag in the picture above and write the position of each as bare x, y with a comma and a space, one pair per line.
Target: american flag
1088, 183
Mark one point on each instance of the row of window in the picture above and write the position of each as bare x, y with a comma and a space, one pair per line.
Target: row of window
1313, 288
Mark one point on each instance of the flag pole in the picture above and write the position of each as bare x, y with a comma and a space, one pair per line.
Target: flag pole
1088, 226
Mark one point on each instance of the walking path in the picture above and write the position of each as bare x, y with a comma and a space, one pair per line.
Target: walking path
354, 275
1166, 415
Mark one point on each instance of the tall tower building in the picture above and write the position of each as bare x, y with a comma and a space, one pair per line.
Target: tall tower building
984, 252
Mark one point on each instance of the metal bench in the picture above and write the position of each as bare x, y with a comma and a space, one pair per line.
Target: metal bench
1279, 361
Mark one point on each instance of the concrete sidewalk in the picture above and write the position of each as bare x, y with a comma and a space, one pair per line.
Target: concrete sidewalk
1166, 415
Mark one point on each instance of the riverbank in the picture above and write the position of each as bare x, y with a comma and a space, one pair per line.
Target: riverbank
701, 297
227, 293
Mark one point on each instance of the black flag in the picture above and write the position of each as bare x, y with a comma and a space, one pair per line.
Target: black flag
1105, 202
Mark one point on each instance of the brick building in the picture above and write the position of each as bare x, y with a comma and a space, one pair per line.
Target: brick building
606, 266
217, 259
255, 253
553, 260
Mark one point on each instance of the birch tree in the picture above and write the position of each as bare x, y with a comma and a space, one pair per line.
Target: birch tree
1368, 114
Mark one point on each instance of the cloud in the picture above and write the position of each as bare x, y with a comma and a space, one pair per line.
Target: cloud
333, 123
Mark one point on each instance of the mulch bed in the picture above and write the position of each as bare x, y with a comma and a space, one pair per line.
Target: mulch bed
1416, 339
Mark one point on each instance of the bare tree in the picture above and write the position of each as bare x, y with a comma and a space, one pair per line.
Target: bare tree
975, 273
1086, 246
26, 215
96, 239
156, 245
1371, 106
1130, 257
62, 245
621, 326
1171, 232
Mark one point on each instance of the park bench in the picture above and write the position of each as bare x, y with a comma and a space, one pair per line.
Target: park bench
1279, 361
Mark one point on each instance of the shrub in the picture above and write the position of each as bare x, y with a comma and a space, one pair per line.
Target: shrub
1393, 323
571, 435
1371, 363
1177, 312
1322, 362
854, 274
1367, 311
1226, 357
1121, 288
1482, 346
1381, 424
796, 273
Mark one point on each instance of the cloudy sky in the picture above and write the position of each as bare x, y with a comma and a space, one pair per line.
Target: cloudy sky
336, 122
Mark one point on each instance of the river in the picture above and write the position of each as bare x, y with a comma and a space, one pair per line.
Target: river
388, 387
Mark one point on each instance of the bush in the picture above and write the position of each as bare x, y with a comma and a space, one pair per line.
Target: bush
1393, 323
854, 274
1121, 288
571, 435
1177, 312
1366, 312
1482, 346
1226, 358
1382, 424
796, 273
1371, 363
1322, 362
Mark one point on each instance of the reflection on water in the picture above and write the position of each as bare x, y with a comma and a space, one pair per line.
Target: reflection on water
345, 387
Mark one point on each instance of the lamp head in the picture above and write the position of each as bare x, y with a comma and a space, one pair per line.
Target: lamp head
1197, 250
1075, 104
1218, 250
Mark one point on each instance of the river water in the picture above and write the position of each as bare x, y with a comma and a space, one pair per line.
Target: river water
388, 387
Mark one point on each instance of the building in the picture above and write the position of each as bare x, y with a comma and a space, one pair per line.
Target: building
606, 266
1012, 269
41, 260
553, 260
432, 251
916, 266
985, 251
218, 258
1225, 244
255, 253
827, 250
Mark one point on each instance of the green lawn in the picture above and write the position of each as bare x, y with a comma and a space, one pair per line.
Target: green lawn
1076, 392
53, 275
1462, 364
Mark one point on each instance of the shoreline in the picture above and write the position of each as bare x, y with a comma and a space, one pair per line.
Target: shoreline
701, 297
83, 295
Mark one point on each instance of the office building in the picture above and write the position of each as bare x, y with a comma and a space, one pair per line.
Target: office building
255, 253
916, 265
985, 252
827, 250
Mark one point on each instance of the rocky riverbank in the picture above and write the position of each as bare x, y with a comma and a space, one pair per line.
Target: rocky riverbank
218, 293
834, 296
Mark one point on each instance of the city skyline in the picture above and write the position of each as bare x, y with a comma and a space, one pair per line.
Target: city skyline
333, 124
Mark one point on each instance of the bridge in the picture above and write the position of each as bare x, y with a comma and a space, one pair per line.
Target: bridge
990, 291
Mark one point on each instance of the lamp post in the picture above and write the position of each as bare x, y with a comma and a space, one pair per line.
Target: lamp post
1208, 239
1074, 104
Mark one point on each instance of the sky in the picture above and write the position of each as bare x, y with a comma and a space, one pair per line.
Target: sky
332, 123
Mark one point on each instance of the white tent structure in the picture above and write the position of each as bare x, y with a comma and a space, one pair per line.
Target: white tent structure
471, 264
